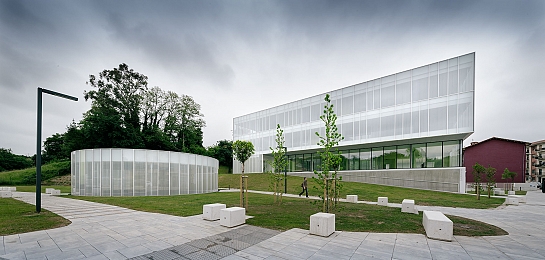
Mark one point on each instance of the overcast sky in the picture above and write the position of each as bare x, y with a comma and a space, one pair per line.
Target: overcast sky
238, 57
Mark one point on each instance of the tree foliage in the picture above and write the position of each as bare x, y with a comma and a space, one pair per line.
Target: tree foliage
327, 178
507, 174
242, 151
478, 171
490, 178
125, 113
278, 165
223, 152
10, 161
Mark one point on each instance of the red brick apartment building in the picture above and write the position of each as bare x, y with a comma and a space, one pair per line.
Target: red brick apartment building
499, 153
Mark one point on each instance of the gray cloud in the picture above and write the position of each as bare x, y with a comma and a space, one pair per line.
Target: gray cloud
237, 57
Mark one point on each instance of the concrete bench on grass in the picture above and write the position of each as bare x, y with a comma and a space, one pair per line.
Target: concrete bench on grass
511, 192
521, 198
212, 211
56, 192
499, 191
5, 194
231, 217
408, 206
322, 224
437, 225
352, 198
383, 201
9, 188
512, 200
49, 190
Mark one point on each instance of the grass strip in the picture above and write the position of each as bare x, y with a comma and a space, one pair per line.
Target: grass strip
17, 217
369, 192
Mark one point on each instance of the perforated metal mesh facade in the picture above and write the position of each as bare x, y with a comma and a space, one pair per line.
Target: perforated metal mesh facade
134, 172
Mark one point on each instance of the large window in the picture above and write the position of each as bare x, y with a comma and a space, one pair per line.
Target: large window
365, 159
403, 156
354, 158
434, 155
451, 154
377, 158
419, 156
390, 157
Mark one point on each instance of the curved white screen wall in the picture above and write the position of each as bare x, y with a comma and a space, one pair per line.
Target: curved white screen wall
135, 172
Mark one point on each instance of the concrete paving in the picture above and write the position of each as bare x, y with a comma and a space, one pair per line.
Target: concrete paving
107, 232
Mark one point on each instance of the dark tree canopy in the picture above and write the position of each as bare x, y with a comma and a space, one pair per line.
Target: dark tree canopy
223, 151
125, 113
10, 161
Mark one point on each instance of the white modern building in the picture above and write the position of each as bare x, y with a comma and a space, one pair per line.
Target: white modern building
405, 129
135, 172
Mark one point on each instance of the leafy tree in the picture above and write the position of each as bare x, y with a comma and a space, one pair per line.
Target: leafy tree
126, 114
119, 89
10, 161
490, 178
242, 150
327, 177
507, 174
223, 152
478, 171
278, 164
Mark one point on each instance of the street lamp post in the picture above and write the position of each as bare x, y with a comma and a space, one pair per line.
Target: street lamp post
39, 143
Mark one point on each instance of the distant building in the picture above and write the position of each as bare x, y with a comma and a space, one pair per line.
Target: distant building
499, 153
536, 160
405, 129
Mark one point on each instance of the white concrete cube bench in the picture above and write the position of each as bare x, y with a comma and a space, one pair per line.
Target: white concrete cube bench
56, 192
322, 224
437, 225
383, 201
512, 200
9, 188
499, 191
511, 192
408, 206
49, 190
5, 194
521, 198
352, 198
231, 217
212, 211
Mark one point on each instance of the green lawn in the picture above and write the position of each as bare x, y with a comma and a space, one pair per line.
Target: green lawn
295, 213
17, 217
369, 192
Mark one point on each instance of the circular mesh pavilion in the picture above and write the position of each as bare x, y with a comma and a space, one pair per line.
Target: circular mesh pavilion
135, 172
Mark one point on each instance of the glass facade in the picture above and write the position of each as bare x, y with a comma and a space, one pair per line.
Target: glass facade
442, 154
434, 102
134, 172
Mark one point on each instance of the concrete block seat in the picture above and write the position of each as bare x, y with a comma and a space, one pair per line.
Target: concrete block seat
5, 194
407, 206
56, 192
322, 224
49, 190
383, 201
437, 225
521, 198
212, 211
512, 200
9, 188
352, 198
231, 217
499, 191
511, 192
